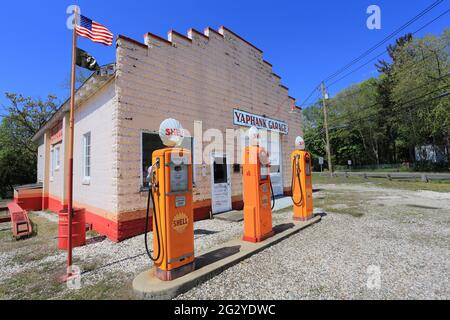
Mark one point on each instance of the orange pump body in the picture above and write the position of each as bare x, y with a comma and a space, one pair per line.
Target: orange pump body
257, 196
173, 204
302, 192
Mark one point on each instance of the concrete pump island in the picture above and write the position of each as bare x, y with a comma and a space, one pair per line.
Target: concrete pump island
176, 267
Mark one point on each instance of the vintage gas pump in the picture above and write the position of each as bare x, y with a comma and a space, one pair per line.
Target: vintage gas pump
257, 191
171, 196
301, 184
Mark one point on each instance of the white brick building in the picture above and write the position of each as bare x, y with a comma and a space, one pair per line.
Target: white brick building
201, 77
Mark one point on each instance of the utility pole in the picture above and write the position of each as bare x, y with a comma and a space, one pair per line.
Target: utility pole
325, 122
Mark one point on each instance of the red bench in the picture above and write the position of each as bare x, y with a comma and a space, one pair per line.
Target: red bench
20, 223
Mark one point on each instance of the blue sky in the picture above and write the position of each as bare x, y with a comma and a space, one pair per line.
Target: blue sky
305, 41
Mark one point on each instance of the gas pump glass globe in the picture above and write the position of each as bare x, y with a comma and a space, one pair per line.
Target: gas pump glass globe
300, 143
171, 133
253, 136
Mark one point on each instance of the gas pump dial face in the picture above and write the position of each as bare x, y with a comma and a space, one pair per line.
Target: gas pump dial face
178, 173
307, 165
264, 161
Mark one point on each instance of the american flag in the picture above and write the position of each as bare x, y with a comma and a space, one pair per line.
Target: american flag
94, 31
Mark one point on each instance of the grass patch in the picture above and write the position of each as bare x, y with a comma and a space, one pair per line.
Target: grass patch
37, 282
44, 236
353, 211
38, 279
438, 186
112, 288
91, 234
342, 203
33, 284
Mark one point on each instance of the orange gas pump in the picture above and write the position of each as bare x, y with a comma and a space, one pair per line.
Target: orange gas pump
301, 184
257, 195
173, 218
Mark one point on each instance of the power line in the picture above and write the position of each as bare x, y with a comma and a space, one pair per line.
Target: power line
427, 24
378, 103
390, 36
411, 107
310, 95
357, 69
401, 106
354, 61
386, 51
406, 66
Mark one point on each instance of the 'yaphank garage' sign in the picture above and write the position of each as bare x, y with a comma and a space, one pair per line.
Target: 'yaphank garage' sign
242, 118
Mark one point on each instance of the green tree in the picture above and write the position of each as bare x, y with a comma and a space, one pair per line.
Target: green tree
421, 79
389, 123
383, 119
24, 116
313, 132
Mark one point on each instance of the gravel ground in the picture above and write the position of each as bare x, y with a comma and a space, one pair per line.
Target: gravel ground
403, 233
339, 257
105, 261
130, 256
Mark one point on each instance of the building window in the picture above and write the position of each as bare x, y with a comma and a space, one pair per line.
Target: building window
86, 157
52, 163
57, 157
149, 143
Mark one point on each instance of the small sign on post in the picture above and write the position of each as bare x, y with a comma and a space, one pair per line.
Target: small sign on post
321, 163
349, 162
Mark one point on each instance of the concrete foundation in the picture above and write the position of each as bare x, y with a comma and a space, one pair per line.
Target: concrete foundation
209, 264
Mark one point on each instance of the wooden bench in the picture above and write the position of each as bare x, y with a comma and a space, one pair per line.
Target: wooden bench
20, 223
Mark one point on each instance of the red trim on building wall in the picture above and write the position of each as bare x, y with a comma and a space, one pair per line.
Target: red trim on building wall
119, 231
54, 205
29, 203
45, 202
103, 226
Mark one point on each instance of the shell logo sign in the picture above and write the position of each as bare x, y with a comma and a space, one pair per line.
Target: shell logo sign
180, 222
171, 132
300, 143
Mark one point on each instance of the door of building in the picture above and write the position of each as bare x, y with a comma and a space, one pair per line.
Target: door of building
220, 183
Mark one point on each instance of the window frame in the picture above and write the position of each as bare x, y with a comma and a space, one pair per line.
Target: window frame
57, 154
87, 170
141, 149
52, 163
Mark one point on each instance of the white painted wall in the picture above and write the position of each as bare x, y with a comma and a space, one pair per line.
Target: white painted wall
202, 79
40, 160
56, 187
97, 115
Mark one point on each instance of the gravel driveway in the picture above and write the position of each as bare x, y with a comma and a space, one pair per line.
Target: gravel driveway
402, 234
397, 249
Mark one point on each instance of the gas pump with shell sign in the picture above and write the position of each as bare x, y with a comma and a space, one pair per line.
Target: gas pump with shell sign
257, 191
171, 197
301, 184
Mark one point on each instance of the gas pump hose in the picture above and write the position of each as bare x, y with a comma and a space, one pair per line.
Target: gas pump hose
271, 191
150, 196
296, 168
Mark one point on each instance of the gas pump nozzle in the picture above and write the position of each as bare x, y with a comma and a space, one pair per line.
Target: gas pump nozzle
152, 187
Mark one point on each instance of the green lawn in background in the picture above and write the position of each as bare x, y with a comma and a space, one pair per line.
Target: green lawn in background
439, 186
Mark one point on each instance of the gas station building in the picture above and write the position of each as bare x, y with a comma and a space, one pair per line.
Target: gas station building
215, 78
